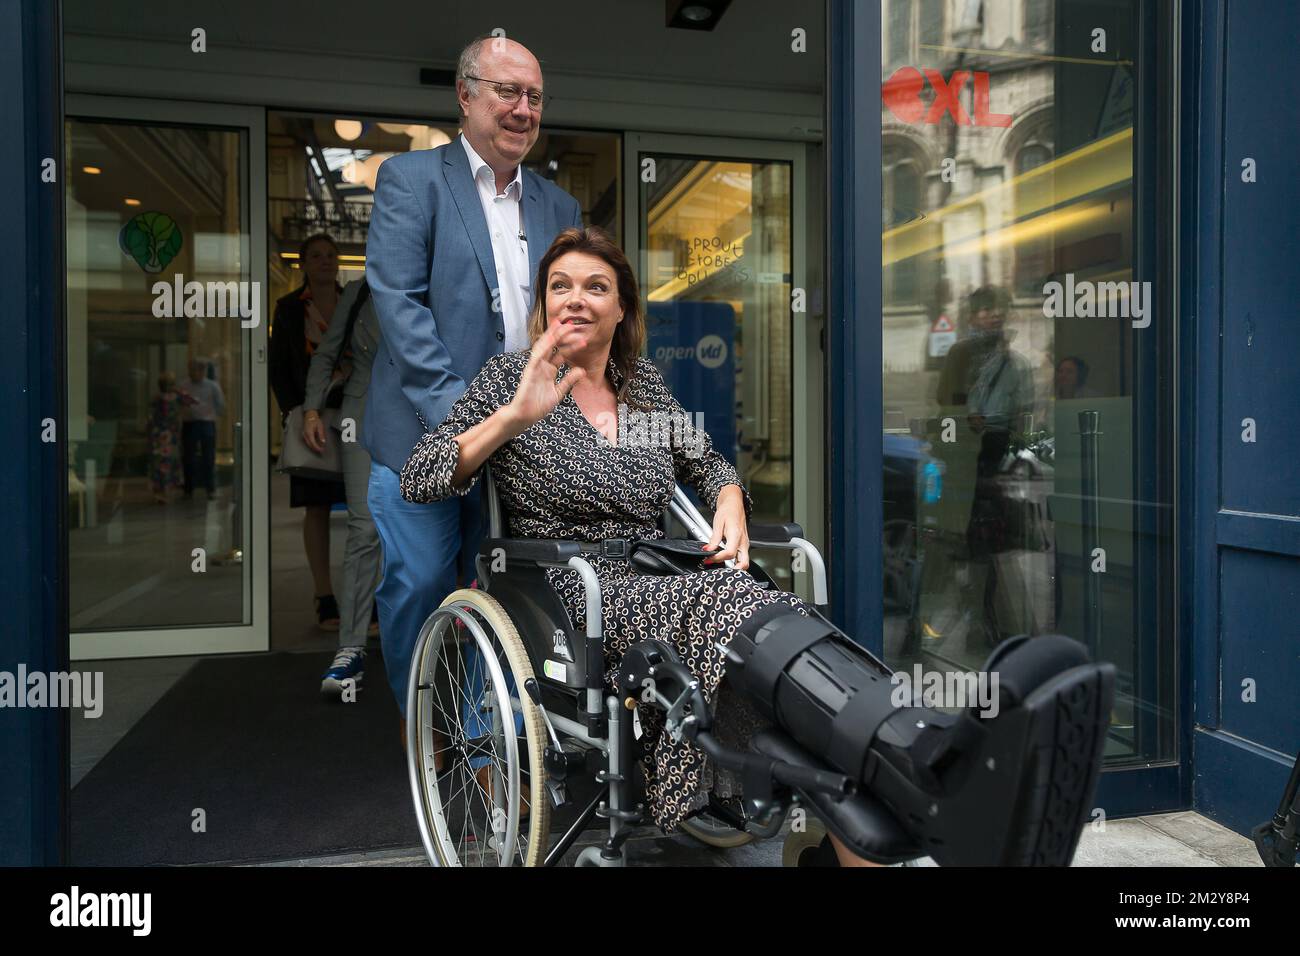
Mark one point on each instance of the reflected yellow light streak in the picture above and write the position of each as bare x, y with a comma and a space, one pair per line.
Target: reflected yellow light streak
1081, 172
293, 256
1046, 224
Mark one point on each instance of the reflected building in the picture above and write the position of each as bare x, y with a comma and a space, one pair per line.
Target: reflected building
1008, 150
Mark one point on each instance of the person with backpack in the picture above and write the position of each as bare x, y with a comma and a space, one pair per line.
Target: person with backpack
345, 354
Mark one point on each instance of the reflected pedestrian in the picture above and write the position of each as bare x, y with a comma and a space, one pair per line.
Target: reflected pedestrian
165, 469
204, 404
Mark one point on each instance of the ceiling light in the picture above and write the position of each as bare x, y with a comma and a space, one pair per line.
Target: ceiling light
426, 137
695, 14
348, 129
91, 170
131, 202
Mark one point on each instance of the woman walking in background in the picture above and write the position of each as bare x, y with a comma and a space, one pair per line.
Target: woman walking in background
301, 319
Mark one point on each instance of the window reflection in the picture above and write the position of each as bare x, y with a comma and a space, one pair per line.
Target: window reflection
155, 383
716, 271
1009, 457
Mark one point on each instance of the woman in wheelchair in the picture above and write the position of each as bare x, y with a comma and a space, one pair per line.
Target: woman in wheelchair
553, 423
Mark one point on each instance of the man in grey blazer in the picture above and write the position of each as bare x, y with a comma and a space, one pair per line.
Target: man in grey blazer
455, 237
348, 354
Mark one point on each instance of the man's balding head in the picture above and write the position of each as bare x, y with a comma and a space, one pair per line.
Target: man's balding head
502, 133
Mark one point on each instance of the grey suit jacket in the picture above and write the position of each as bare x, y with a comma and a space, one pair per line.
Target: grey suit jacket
433, 278
365, 343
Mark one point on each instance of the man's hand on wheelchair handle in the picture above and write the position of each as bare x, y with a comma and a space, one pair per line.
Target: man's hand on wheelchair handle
729, 526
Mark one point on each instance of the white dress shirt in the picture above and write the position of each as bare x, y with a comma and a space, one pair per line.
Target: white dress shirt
504, 215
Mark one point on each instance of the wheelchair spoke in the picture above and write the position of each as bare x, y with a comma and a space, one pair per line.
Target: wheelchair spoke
478, 809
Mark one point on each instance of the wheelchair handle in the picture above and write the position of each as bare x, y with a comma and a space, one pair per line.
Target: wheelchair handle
818, 781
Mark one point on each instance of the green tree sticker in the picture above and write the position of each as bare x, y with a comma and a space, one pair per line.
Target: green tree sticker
152, 239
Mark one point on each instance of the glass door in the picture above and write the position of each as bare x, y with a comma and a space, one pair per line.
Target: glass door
166, 335
718, 233
1027, 346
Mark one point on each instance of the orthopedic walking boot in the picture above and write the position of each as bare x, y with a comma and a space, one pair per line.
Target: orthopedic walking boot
1008, 781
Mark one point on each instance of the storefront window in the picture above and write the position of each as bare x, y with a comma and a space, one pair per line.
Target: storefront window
158, 267
1017, 347
717, 261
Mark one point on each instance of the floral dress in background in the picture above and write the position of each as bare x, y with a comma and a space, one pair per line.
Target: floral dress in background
165, 442
562, 479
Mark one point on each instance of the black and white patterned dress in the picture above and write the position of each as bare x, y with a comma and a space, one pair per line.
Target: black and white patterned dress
563, 479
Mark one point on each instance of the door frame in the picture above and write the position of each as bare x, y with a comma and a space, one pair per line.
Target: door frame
256, 634
807, 360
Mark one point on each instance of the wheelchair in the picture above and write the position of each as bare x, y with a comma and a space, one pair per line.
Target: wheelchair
511, 722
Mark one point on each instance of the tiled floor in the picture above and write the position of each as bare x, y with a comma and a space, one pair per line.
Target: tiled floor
1167, 839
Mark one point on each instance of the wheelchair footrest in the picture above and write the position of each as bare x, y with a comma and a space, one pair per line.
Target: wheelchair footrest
863, 823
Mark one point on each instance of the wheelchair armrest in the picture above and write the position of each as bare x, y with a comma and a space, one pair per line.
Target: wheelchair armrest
759, 533
534, 550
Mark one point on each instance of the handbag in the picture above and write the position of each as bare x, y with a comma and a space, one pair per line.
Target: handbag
297, 459
667, 555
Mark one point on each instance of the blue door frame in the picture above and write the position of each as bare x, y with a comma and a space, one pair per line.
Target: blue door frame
33, 472
1246, 552
853, 331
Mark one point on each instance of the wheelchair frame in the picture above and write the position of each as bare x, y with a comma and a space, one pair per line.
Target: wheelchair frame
602, 721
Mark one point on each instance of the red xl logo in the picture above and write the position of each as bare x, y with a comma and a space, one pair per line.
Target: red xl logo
902, 94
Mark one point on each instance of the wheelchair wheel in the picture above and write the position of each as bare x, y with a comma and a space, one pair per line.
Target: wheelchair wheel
802, 844
466, 709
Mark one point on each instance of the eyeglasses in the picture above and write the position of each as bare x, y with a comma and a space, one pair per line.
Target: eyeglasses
510, 93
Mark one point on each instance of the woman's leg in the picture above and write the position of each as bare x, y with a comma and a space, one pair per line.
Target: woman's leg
361, 557
846, 856
693, 613
316, 540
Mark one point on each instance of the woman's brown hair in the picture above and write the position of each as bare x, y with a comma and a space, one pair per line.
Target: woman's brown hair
629, 336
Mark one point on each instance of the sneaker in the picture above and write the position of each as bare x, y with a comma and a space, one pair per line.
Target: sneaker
327, 613
349, 664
